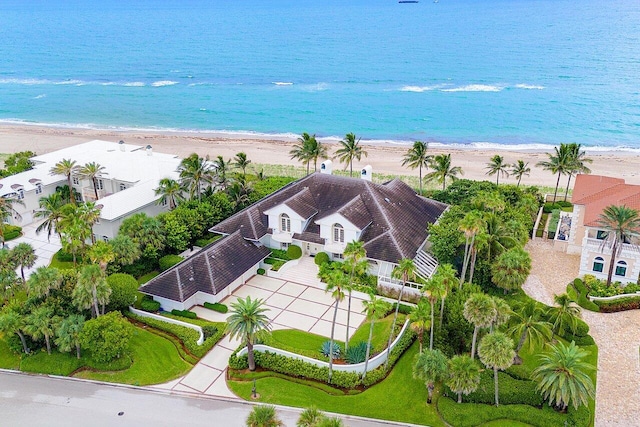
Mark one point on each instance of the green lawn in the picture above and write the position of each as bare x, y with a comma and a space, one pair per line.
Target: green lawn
62, 265
144, 279
8, 359
155, 360
381, 330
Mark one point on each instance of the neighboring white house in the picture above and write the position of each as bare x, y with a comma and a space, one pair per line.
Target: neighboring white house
591, 194
131, 173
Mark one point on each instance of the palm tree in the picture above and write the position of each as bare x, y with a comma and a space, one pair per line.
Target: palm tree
498, 236
24, 256
447, 276
221, 167
563, 378
464, 375
496, 352
308, 149
91, 290
41, 324
43, 280
565, 313
89, 214
558, 163
170, 191
502, 315
442, 169
620, 224
497, 167
330, 422
511, 269
420, 318
66, 167
12, 322
68, 334
50, 212
317, 150
248, 320
194, 171
263, 416
374, 309
355, 261
479, 310
7, 211
430, 367
101, 253
125, 250
406, 271
240, 161
470, 225
336, 285
528, 327
417, 157
577, 160
433, 289
310, 417
349, 150
520, 169
91, 171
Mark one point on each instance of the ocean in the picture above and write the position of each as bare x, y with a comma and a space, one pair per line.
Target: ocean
529, 73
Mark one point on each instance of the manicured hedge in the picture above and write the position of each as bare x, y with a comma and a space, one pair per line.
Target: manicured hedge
261, 271
620, 304
149, 305
321, 258
581, 290
184, 313
168, 261
294, 252
11, 231
220, 308
512, 390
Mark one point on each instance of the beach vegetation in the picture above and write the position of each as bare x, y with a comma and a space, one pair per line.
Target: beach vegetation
520, 169
350, 150
442, 169
195, 173
497, 167
418, 157
16, 163
307, 150
558, 163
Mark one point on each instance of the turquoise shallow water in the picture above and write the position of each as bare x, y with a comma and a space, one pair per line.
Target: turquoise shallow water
457, 71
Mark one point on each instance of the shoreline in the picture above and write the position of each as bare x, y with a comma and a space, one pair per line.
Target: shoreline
384, 156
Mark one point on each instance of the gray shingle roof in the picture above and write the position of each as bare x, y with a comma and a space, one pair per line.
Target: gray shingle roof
211, 270
395, 217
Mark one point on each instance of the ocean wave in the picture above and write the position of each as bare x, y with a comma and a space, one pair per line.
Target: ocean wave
134, 84
26, 81
43, 95
162, 83
527, 86
282, 83
70, 82
419, 89
474, 88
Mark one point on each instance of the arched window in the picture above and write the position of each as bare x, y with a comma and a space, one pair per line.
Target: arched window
598, 264
285, 223
338, 233
621, 268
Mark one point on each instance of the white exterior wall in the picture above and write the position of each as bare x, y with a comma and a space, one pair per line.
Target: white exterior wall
578, 231
351, 232
274, 218
110, 228
32, 203
591, 250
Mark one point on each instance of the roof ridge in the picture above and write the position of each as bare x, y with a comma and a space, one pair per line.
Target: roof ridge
386, 218
179, 284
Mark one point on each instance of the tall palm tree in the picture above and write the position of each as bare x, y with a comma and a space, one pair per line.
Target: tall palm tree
420, 318
511, 269
447, 276
479, 310
374, 309
620, 225
559, 162
563, 378
43, 280
406, 271
7, 210
355, 261
91, 171
442, 169
335, 285
24, 256
170, 191
66, 167
350, 149
13, 322
499, 237
89, 214
417, 157
470, 225
246, 322
41, 324
430, 367
221, 168
502, 315
577, 160
241, 161
464, 375
194, 171
68, 334
497, 167
50, 212
317, 150
564, 314
496, 352
528, 327
263, 416
520, 169
91, 290
300, 151
101, 253
434, 289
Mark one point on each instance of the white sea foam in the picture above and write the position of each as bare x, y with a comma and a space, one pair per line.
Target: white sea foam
134, 84
419, 89
528, 86
43, 95
69, 82
25, 81
474, 88
283, 83
162, 83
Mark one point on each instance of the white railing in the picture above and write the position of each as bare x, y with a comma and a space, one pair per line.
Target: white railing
597, 243
374, 362
170, 320
390, 281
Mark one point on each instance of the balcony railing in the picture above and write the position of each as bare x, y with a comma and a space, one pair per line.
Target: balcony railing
597, 245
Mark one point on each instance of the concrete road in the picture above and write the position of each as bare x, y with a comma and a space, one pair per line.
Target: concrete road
28, 400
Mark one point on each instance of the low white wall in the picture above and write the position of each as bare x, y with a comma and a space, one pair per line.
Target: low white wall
374, 362
287, 265
169, 320
615, 297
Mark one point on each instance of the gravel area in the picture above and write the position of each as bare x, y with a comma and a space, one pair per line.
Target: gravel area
616, 334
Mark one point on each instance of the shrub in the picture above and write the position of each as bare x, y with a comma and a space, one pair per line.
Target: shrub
11, 231
275, 263
326, 346
279, 254
582, 329
582, 292
209, 331
404, 309
220, 308
550, 207
261, 271
184, 313
581, 341
168, 261
64, 256
321, 258
512, 390
150, 305
238, 362
564, 204
106, 337
141, 267
294, 252
356, 353
553, 222
123, 291
621, 304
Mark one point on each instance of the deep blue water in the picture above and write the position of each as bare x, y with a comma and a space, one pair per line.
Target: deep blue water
498, 71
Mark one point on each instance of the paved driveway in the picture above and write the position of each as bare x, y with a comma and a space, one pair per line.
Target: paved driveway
45, 249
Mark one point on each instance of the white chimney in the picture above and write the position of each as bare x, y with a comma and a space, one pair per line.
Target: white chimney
121, 144
326, 167
149, 150
366, 173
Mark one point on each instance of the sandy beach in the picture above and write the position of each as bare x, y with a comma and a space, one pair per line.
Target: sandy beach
384, 158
